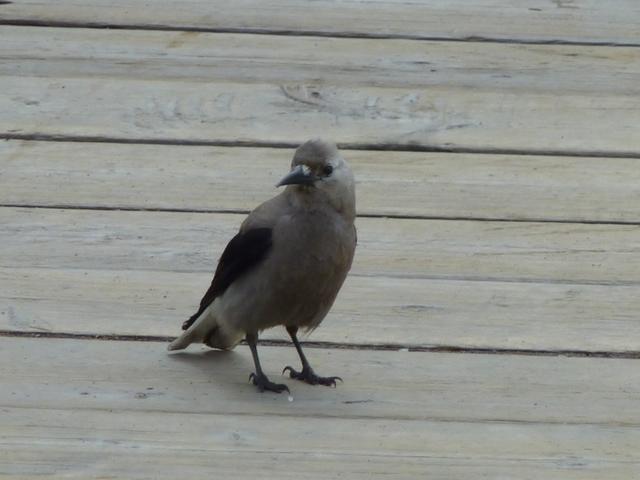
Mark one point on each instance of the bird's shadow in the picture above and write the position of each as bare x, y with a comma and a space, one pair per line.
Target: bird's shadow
228, 373
212, 361
228, 369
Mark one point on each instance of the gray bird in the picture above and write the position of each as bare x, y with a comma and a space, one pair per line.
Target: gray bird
286, 264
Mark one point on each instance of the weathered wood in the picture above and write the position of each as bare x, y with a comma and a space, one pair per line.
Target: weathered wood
192, 242
207, 57
572, 21
118, 375
82, 443
369, 310
389, 183
90, 409
434, 117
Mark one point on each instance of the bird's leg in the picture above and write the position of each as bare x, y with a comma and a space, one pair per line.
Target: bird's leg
258, 378
307, 374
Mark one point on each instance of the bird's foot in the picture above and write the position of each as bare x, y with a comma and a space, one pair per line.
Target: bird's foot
309, 376
263, 383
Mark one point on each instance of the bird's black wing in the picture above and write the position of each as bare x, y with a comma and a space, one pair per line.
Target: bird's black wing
244, 252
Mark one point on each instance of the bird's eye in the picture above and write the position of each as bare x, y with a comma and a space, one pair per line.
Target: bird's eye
327, 170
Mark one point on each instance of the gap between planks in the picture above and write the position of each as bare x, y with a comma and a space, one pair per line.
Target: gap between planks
631, 355
309, 33
576, 21
364, 215
376, 147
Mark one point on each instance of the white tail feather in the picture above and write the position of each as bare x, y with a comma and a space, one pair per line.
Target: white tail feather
210, 330
196, 332
183, 341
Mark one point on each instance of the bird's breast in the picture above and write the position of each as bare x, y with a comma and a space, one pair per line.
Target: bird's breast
318, 241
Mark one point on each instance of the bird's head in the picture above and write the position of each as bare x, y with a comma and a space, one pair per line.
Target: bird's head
318, 170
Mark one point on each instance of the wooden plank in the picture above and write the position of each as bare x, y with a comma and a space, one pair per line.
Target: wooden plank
207, 57
449, 96
369, 310
94, 443
423, 184
433, 117
575, 21
142, 376
192, 242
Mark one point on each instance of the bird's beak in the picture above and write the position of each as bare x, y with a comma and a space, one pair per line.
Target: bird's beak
301, 175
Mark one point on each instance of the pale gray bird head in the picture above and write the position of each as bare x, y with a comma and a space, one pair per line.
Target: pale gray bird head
320, 174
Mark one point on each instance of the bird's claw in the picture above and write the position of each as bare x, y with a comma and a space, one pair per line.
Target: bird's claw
263, 383
309, 376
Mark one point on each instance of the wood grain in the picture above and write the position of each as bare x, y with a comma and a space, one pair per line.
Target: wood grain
143, 376
420, 184
210, 57
90, 444
273, 75
569, 21
369, 310
429, 249
426, 117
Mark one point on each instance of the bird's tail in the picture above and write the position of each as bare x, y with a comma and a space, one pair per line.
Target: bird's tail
183, 341
193, 330
208, 330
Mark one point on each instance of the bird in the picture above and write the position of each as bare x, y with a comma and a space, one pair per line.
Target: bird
286, 264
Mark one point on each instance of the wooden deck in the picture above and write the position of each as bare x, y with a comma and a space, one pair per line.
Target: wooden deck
491, 324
